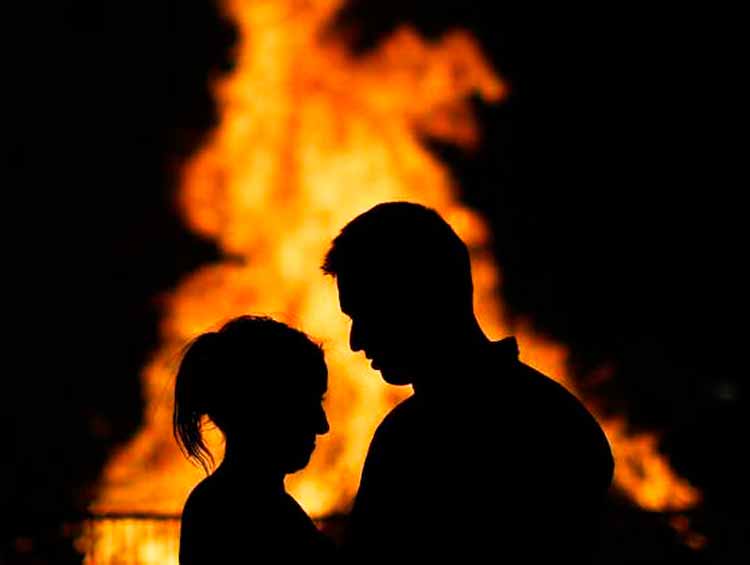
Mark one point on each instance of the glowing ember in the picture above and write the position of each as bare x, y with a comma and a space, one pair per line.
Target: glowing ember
309, 137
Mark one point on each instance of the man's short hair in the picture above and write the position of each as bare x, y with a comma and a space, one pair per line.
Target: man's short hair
405, 242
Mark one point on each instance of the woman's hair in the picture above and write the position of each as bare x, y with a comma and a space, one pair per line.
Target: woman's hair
221, 372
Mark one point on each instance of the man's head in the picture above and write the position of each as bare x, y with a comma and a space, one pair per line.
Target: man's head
404, 279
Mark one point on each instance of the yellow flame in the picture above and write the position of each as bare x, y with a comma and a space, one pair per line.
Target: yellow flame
309, 137
131, 541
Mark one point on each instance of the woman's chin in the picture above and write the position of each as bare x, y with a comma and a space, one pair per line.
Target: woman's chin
300, 460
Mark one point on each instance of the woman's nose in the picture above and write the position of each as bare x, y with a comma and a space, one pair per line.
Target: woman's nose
323, 426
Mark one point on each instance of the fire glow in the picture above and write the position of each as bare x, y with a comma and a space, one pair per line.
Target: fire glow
310, 136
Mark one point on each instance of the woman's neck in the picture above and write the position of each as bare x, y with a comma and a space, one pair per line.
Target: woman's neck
250, 467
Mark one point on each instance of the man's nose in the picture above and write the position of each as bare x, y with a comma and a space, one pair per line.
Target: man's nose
355, 337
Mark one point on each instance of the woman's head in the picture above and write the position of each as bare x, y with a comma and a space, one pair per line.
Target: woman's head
261, 382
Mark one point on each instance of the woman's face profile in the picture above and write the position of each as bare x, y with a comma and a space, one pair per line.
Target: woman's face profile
285, 427
307, 419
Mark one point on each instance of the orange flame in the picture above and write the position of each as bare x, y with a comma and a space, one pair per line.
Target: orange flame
308, 138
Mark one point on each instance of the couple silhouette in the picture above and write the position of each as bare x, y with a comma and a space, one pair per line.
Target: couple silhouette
488, 460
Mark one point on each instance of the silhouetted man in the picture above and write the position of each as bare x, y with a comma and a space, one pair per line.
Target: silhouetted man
489, 459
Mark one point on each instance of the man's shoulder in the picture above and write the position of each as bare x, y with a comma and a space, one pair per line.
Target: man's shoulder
546, 412
551, 398
545, 388
505, 370
569, 424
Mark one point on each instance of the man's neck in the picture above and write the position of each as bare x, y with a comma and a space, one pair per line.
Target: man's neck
459, 354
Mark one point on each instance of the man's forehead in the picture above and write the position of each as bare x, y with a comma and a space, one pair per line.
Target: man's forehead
350, 294
365, 293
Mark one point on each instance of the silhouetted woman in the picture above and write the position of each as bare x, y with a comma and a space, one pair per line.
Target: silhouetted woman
262, 384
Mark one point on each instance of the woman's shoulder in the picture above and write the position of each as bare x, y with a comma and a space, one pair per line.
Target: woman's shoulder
216, 499
200, 508
200, 523
203, 494
218, 523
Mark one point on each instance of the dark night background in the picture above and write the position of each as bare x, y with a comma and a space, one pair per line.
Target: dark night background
611, 177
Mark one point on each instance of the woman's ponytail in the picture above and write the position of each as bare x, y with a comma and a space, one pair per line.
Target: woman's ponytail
192, 398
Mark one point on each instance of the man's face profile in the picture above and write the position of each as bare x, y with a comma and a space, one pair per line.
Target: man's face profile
384, 327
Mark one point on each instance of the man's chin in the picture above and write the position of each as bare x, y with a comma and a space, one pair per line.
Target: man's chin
395, 377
